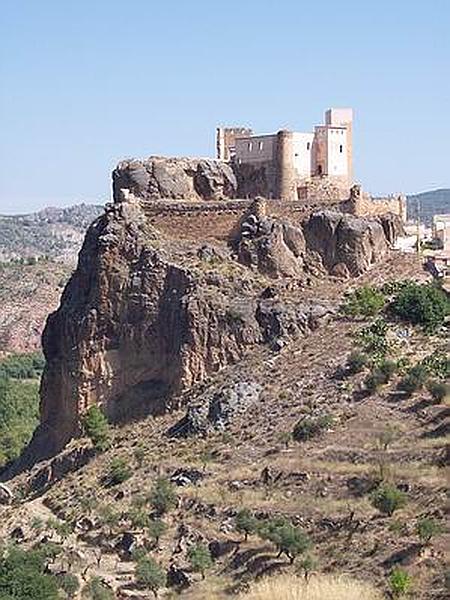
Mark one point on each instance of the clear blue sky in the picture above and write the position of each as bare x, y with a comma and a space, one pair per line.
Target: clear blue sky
85, 83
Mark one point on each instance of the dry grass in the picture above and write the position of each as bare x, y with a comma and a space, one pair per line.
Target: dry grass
323, 587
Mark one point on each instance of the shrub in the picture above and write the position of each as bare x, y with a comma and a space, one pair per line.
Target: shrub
414, 380
373, 339
118, 471
400, 582
156, 528
163, 497
427, 528
424, 304
309, 427
380, 375
387, 499
245, 522
366, 301
200, 558
356, 362
439, 390
23, 576
139, 518
97, 428
150, 575
22, 366
97, 590
69, 584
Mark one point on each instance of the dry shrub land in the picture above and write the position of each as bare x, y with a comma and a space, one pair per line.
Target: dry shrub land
314, 469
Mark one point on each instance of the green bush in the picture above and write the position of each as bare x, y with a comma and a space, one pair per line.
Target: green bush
245, 522
200, 558
97, 590
356, 362
156, 528
310, 427
23, 576
97, 428
373, 339
288, 540
69, 584
366, 301
427, 528
380, 375
439, 390
163, 497
400, 582
150, 575
118, 472
139, 518
425, 305
414, 380
387, 499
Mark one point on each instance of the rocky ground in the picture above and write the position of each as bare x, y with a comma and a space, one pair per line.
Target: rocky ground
245, 458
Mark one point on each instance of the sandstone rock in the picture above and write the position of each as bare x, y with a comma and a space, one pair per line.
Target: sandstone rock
175, 178
344, 239
135, 326
275, 249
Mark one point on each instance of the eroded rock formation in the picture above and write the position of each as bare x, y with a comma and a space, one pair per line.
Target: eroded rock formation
146, 316
175, 178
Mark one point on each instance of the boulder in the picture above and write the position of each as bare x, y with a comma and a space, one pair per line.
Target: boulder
159, 178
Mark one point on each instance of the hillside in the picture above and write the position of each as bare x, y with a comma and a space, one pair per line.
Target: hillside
322, 484
256, 428
431, 203
54, 233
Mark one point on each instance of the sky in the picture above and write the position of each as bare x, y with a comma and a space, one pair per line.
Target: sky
85, 83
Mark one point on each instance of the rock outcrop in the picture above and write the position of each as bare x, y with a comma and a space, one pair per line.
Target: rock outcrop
159, 178
354, 243
145, 316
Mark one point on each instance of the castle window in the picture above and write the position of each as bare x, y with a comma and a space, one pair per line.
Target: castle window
308, 145
296, 154
250, 146
341, 148
261, 146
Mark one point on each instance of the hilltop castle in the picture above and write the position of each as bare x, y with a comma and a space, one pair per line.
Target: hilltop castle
290, 159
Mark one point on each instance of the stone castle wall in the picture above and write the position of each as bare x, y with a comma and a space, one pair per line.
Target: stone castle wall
216, 220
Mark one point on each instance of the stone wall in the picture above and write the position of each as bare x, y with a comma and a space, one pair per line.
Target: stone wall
215, 220
363, 205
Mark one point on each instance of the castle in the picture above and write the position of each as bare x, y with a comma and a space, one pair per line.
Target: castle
291, 159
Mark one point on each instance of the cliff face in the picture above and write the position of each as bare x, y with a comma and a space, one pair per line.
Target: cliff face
146, 316
138, 322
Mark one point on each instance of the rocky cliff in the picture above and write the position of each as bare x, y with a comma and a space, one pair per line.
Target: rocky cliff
146, 316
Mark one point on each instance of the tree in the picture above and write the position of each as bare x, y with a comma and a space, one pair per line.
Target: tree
97, 429
156, 528
23, 576
288, 539
245, 522
387, 499
163, 497
200, 558
150, 575
427, 528
400, 582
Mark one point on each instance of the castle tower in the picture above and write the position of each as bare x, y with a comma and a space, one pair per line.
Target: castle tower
342, 117
286, 180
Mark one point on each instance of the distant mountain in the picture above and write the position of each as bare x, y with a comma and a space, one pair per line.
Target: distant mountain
55, 233
431, 203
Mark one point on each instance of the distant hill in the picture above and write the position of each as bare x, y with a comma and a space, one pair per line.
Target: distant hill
55, 233
430, 203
